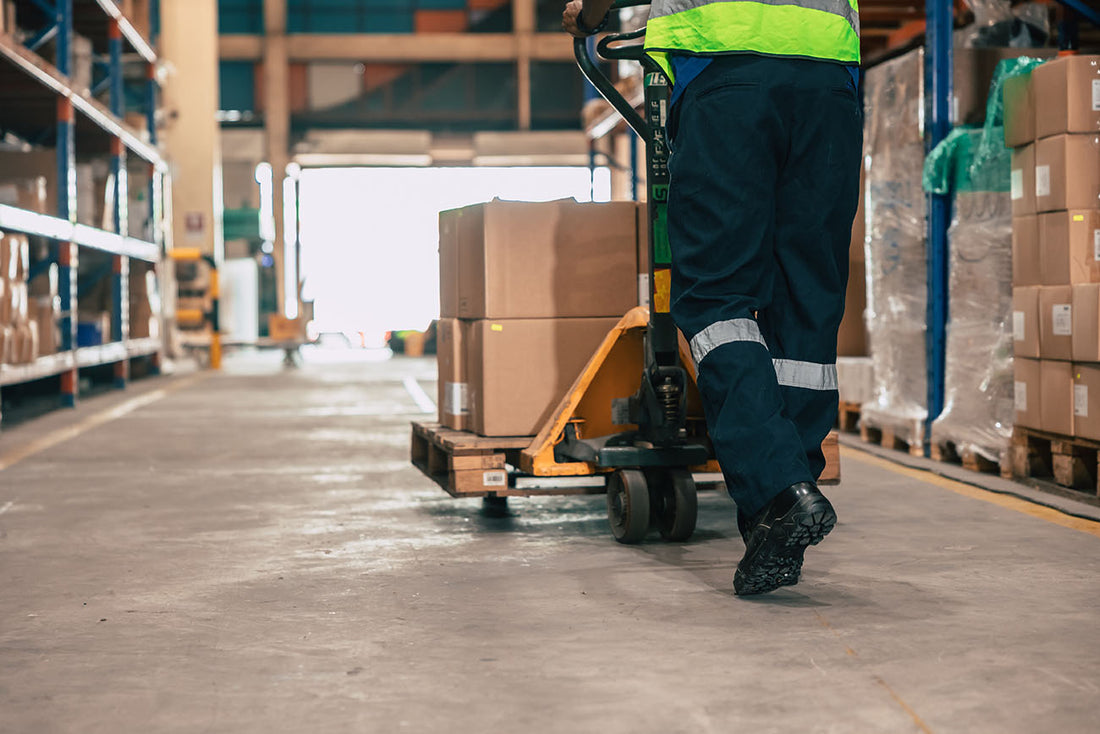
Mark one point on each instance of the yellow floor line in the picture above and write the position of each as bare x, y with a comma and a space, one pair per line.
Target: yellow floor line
1091, 527
11, 458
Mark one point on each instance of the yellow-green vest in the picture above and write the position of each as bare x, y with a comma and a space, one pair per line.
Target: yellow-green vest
816, 29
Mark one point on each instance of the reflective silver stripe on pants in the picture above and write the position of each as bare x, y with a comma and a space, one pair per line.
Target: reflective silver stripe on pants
808, 375
724, 332
842, 8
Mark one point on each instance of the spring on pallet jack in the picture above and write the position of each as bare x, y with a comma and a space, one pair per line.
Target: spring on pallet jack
668, 393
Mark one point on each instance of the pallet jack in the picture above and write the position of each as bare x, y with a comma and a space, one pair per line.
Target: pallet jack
634, 413
652, 477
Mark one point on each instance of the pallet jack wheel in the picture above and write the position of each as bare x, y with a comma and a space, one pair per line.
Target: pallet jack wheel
676, 504
628, 505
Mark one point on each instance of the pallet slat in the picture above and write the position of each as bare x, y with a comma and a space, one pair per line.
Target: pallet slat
894, 437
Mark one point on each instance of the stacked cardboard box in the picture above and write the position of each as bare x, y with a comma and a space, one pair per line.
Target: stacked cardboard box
144, 301
1056, 246
528, 291
18, 333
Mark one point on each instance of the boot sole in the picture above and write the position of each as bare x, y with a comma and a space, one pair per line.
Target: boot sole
778, 560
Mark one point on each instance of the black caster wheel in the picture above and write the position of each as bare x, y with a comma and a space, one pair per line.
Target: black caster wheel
676, 505
628, 505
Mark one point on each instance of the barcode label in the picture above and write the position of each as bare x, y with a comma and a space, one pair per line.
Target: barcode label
1021, 397
494, 479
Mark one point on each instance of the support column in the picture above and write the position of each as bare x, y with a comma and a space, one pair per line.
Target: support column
523, 16
277, 133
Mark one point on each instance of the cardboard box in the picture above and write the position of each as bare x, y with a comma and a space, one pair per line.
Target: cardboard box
520, 369
1026, 261
1067, 173
1025, 321
451, 340
1086, 323
554, 259
1023, 181
16, 305
5, 303
1086, 401
14, 256
643, 254
448, 262
851, 339
1056, 397
7, 344
1069, 243
1056, 322
280, 328
1067, 96
1019, 110
1026, 393
45, 312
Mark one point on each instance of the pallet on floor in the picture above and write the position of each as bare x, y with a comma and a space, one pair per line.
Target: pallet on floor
463, 463
894, 436
949, 452
1071, 462
848, 417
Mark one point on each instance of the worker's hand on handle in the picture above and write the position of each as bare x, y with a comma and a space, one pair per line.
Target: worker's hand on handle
591, 13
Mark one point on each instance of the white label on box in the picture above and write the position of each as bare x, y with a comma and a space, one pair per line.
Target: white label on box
643, 286
455, 398
1017, 183
494, 478
1021, 397
1081, 401
1018, 331
1042, 180
1096, 245
1096, 95
1062, 314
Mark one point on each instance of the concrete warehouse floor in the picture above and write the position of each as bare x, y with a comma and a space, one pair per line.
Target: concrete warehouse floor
252, 552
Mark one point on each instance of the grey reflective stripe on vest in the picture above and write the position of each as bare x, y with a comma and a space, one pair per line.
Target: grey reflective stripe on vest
724, 332
808, 375
843, 8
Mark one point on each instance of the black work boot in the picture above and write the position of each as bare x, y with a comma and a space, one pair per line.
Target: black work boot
776, 539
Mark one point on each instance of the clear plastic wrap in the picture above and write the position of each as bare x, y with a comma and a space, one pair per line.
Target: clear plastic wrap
978, 383
895, 247
997, 23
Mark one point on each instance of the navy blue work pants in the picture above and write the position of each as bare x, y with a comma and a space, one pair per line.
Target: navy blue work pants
765, 182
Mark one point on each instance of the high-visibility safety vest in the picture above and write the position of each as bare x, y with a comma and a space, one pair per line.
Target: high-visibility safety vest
815, 29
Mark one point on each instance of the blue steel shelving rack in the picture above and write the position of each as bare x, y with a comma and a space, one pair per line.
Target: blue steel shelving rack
938, 73
101, 20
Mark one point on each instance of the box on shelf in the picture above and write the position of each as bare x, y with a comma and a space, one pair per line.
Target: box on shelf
1056, 397
7, 344
29, 193
1056, 322
1086, 323
280, 328
46, 283
1026, 392
93, 328
518, 370
45, 312
14, 256
552, 259
36, 169
1086, 401
1067, 96
1019, 110
1026, 259
451, 395
1069, 244
1023, 181
1067, 172
1025, 321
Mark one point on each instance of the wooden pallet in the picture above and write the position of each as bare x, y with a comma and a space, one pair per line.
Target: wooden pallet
893, 437
848, 417
948, 452
463, 463
1072, 462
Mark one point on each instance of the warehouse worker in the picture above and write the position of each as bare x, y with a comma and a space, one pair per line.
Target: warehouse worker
766, 130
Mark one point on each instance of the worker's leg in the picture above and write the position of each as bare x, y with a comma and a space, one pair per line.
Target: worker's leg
728, 145
817, 197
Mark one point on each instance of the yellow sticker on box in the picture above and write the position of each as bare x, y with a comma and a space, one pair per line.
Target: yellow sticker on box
496, 327
662, 290
1078, 217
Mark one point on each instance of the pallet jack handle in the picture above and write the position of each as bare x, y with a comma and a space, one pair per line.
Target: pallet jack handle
605, 49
